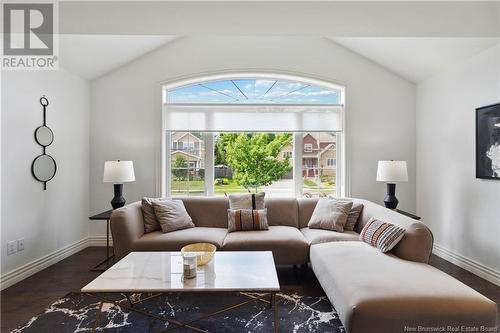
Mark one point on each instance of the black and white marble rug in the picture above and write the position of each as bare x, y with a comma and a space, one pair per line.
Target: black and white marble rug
85, 313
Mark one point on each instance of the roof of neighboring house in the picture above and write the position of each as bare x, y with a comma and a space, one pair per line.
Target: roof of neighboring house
184, 153
323, 137
177, 136
323, 150
331, 146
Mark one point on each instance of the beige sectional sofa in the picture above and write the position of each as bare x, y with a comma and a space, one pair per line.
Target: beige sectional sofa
371, 291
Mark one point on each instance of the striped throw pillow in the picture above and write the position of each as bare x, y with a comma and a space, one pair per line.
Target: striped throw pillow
247, 219
382, 235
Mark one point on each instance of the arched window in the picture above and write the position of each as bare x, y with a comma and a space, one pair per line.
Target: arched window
240, 134
254, 91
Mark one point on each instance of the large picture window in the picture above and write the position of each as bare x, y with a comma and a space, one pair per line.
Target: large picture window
246, 135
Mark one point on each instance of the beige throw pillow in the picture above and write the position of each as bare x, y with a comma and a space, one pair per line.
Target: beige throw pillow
247, 201
353, 216
172, 215
330, 214
148, 213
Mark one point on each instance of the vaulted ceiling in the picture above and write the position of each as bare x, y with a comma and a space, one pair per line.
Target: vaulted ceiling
91, 56
413, 39
416, 59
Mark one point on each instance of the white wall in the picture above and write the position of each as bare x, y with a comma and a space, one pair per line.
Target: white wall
54, 219
463, 212
126, 107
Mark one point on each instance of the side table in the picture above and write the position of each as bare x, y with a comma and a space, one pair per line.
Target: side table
104, 216
415, 217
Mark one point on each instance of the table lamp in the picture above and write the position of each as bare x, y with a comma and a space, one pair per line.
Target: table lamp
391, 172
118, 172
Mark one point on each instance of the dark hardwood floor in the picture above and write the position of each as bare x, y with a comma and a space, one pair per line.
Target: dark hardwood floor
29, 297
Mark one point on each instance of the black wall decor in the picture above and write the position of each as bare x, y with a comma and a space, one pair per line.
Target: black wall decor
488, 142
44, 166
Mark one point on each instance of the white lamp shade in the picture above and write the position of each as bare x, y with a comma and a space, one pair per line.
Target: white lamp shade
118, 172
392, 171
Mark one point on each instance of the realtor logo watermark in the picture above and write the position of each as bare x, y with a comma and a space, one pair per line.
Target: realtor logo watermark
30, 36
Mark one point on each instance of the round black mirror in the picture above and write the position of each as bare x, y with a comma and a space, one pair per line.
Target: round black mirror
44, 136
44, 101
44, 168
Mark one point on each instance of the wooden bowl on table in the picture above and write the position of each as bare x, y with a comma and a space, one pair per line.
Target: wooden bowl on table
204, 252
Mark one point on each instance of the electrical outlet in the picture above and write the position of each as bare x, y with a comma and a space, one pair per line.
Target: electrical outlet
11, 247
20, 244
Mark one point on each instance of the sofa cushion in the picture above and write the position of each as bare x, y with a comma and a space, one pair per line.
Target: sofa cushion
287, 243
306, 208
175, 240
282, 211
207, 211
316, 236
380, 293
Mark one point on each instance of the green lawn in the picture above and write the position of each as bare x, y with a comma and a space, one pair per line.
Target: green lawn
311, 187
197, 187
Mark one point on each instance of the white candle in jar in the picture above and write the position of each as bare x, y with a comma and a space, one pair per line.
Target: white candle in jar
189, 265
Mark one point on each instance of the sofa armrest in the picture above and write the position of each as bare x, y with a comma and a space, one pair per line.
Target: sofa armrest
416, 244
127, 226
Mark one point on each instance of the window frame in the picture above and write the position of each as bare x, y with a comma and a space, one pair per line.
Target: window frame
342, 172
308, 148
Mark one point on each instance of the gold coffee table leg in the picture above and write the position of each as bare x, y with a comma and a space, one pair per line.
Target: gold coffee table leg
274, 305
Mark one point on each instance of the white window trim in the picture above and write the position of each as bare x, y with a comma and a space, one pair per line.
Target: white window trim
297, 164
343, 180
308, 148
209, 139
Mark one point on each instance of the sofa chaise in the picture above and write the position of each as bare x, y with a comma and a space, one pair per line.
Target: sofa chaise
371, 291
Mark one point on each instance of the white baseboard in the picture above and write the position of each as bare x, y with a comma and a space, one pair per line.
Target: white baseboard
468, 264
21, 273
99, 241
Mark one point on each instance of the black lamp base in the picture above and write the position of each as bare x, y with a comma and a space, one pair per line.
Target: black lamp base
390, 200
118, 200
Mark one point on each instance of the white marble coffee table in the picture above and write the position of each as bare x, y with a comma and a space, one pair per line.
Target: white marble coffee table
161, 272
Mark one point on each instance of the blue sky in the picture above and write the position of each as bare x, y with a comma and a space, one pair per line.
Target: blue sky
253, 91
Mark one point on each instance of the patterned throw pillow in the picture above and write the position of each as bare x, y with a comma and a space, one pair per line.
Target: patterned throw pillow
148, 213
382, 235
330, 214
172, 215
246, 219
353, 216
247, 201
